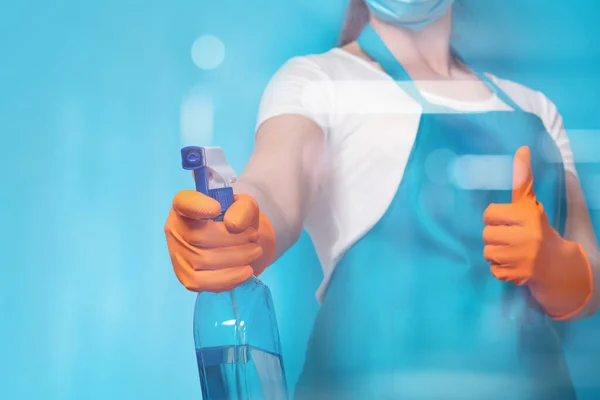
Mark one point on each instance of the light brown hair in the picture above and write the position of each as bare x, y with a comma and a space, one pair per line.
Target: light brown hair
357, 16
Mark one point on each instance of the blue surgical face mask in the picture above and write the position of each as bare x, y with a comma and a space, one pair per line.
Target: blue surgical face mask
411, 14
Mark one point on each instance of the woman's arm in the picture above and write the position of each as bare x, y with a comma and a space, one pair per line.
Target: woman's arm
578, 225
579, 229
283, 174
281, 177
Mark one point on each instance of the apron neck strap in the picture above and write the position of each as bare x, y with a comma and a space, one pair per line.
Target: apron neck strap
372, 44
496, 89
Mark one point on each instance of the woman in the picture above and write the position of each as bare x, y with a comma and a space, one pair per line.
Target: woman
438, 284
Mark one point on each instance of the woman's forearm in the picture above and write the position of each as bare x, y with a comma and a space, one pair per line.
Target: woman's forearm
287, 229
283, 174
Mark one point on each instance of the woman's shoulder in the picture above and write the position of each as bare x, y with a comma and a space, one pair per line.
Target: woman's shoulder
334, 64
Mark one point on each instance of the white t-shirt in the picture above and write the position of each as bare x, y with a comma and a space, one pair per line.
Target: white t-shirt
350, 99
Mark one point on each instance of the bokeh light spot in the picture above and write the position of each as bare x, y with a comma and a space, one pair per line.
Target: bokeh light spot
482, 172
197, 119
208, 52
438, 164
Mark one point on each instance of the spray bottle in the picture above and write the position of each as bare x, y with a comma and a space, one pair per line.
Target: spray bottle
235, 333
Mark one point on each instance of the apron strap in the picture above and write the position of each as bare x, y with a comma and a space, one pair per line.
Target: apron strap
499, 92
372, 44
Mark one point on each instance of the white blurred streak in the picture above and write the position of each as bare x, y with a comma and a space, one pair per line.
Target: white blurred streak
197, 118
433, 384
208, 52
317, 97
72, 126
65, 336
589, 149
482, 172
436, 384
592, 184
437, 165
547, 147
339, 99
112, 302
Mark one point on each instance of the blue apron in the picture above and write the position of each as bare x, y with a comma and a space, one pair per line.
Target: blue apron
412, 310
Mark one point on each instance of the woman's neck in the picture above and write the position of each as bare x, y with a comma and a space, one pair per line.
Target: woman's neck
431, 46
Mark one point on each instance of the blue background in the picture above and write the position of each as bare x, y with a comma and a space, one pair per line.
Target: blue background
90, 99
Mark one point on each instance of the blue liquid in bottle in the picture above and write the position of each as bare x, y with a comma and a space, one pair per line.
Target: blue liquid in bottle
218, 367
237, 345
236, 335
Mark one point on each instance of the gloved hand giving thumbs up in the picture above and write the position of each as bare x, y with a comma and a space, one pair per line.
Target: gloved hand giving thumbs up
523, 248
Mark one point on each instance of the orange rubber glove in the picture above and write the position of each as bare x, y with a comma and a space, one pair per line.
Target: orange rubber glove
524, 249
217, 256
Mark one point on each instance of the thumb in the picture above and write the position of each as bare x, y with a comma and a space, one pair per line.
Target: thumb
522, 175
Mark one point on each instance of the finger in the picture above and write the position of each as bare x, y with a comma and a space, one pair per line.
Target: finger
225, 280
213, 281
503, 214
242, 214
500, 272
500, 235
505, 274
522, 175
215, 258
211, 235
195, 205
207, 234
497, 254
511, 254
220, 258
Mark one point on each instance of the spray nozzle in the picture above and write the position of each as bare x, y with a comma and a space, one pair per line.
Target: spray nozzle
193, 157
212, 173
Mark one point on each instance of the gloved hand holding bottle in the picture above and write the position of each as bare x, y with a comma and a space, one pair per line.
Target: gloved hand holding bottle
217, 241
217, 256
524, 249
281, 177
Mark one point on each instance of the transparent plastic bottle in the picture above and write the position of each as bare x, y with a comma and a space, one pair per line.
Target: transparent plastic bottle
237, 344
236, 334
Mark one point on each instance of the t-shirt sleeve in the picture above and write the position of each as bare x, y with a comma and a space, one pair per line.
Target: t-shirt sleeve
299, 87
537, 103
554, 124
